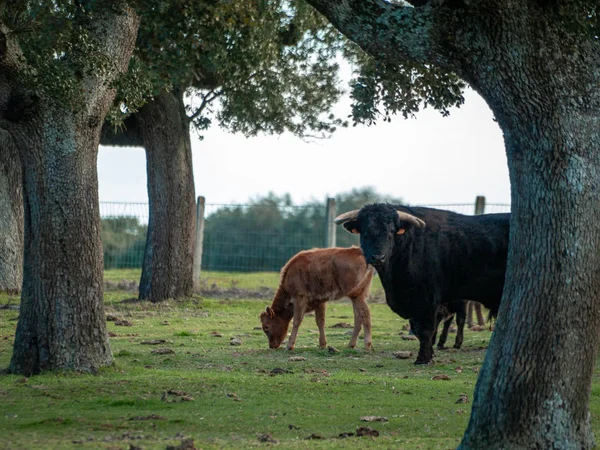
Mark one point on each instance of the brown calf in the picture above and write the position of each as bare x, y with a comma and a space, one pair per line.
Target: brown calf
311, 278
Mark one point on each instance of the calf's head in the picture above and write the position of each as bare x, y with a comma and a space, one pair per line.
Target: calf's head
275, 327
378, 226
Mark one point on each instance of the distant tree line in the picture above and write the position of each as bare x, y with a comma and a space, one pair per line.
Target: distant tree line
266, 233
123, 242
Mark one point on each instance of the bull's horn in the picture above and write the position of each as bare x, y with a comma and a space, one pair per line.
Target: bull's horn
410, 218
346, 217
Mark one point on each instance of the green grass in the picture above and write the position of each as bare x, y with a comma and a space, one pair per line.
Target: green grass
247, 281
232, 398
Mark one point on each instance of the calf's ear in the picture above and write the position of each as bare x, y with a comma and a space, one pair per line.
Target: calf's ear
270, 312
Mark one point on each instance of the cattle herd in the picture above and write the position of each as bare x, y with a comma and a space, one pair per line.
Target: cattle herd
431, 263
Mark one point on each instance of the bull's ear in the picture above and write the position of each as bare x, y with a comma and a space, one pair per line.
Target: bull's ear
351, 227
270, 312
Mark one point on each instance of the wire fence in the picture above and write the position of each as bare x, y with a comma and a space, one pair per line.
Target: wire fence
237, 238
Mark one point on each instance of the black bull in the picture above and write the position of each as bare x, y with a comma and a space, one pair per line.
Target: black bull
426, 257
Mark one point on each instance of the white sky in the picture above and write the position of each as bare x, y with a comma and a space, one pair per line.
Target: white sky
427, 160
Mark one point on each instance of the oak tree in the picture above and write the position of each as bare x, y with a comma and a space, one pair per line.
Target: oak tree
58, 60
537, 65
250, 67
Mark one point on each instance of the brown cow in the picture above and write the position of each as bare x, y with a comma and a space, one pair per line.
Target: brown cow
311, 278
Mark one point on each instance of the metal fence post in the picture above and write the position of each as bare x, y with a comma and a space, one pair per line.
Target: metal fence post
479, 204
330, 229
199, 241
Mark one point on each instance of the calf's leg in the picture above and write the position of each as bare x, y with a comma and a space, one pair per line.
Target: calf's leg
320, 318
299, 311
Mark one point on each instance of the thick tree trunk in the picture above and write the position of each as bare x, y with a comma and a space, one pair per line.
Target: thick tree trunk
11, 217
62, 325
168, 261
537, 64
533, 389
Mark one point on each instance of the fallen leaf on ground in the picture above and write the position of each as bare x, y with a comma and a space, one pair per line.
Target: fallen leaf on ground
374, 419
366, 431
459, 369
176, 392
186, 444
410, 337
402, 354
162, 351
150, 417
293, 427
297, 358
332, 349
342, 325
216, 334
463, 398
279, 371
267, 438
314, 436
123, 323
441, 376
111, 318
235, 341
154, 342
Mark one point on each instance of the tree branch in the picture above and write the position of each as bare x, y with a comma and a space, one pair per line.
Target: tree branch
206, 100
386, 30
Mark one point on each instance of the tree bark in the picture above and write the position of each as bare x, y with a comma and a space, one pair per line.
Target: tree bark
168, 260
11, 217
537, 65
62, 325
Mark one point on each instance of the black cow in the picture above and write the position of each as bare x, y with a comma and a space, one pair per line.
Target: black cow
427, 257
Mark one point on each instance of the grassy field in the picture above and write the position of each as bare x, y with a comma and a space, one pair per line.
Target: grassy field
177, 376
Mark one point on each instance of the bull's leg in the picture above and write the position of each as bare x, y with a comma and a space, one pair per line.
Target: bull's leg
444, 335
424, 329
320, 318
461, 316
299, 311
478, 310
471, 305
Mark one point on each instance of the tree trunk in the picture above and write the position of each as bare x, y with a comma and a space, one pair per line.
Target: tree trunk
62, 325
168, 261
11, 217
537, 65
534, 387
